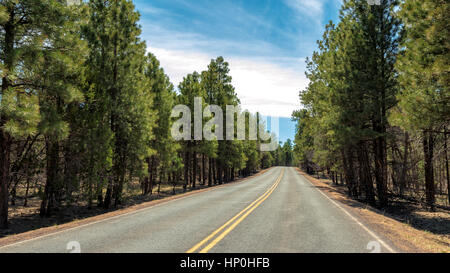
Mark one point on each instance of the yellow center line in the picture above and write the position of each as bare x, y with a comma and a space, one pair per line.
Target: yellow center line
245, 211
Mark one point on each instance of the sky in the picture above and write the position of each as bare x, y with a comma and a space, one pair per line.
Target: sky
265, 42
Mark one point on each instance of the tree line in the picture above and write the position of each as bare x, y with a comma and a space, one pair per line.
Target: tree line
377, 111
85, 110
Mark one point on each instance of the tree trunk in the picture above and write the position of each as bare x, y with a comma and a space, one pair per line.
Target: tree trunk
349, 172
119, 166
428, 149
226, 175
220, 173
174, 182
160, 181
402, 181
186, 170
90, 194
446, 164
194, 170
151, 174
108, 195
48, 200
204, 169
380, 166
146, 182
4, 176
215, 175
366, 179
210, 174
5, 139
118, 191
99, 192
25, 202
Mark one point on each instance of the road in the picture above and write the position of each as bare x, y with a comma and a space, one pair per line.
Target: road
278, 211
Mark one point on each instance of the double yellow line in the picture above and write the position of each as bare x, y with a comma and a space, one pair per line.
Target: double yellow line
240, 217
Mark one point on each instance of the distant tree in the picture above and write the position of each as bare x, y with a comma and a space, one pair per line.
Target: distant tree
219, 91
165, 160
287, 156
191, 88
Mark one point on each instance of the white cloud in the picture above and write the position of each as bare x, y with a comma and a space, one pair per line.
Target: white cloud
261, 85
267, 87
162, 37
311, 8
265, 80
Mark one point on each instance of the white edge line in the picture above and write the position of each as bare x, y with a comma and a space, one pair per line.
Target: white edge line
353, 218
107, 219
93, 223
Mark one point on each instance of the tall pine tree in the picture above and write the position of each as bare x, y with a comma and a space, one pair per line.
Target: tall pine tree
29, 30
120, 88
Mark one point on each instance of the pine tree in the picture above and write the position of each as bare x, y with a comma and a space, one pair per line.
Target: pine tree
35, 24
162, 143
251, 146
424, 79
381, 33
191, 88
352, 86
120, 89
287, 156
220, 91
62, 64
303, 143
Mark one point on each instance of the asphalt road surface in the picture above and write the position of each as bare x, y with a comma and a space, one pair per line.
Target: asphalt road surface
278, 211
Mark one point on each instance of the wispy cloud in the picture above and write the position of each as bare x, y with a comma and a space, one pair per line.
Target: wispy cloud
264, 41
310, 8
161, 37
262, 86
309, 13
148, 9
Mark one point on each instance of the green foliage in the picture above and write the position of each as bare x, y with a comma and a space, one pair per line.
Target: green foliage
119, 88
424, 100
219, 91
353, 83
90, 110
164, 100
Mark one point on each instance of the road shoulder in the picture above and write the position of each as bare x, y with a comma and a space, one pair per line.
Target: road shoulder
404, 237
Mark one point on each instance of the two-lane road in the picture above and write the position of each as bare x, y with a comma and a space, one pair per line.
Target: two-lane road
278, 211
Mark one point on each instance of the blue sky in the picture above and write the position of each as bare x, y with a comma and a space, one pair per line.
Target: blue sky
265, 42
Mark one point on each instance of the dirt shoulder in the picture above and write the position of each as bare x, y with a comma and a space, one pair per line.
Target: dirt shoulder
28, 224
405, 237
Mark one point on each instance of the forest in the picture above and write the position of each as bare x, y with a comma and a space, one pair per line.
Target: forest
85, 111
376, 111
